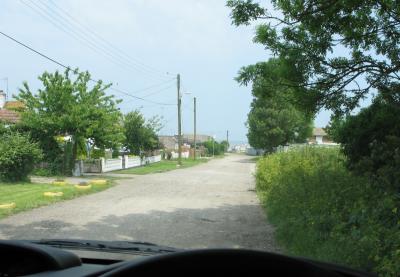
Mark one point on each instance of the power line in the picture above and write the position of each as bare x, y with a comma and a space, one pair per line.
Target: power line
83, 38
67, 67
33, 50
158, 91
140, 98
153, 86
101, 38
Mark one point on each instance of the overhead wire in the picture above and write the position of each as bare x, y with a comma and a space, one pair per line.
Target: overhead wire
84, 37
67, 67
123, 53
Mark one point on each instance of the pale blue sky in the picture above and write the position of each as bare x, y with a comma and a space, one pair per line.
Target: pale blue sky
192, 37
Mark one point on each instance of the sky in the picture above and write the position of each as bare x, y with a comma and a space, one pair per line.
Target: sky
139, 46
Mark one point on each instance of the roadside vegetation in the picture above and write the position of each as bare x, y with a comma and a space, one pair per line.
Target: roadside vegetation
321, 210
340, 205
22, 196
163, 166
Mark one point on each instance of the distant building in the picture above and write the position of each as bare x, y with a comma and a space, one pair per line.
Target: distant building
169, 142
189, 138
8, 110
239, 148
319, 136
254, 152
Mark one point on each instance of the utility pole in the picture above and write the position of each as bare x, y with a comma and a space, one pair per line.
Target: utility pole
213, 144
227, 140
194, 135
178, 78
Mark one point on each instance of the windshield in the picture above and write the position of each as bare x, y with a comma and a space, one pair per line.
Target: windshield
266, 125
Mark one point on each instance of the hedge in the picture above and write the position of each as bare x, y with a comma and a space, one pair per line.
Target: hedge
322, 211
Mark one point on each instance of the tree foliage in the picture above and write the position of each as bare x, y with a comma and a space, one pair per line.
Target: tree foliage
271, 124
371, 142
141, 135
278, 115
214, 147
68, 106
17, 156
342, 49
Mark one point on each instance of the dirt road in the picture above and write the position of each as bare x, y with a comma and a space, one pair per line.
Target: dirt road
210, 205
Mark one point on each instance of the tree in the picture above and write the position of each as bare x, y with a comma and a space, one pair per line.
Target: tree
273, 122
141, 135
371, 142
67, 106
278, 115
342, 49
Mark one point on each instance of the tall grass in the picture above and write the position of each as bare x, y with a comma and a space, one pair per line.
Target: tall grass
322, 211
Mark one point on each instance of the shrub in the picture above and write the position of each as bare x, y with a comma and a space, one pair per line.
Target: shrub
323, 211
17, 156
371, 142
97, 153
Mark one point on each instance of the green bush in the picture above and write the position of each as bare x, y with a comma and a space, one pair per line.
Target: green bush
323, 211
17, 156
97, 154
371, 142
218, 148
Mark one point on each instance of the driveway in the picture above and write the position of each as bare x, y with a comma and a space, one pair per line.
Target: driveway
209, 205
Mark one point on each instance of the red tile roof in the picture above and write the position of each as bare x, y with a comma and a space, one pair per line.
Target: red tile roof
14, 105
9, 116
319, 132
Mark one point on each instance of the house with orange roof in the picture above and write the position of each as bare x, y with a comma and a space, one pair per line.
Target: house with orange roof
9, 109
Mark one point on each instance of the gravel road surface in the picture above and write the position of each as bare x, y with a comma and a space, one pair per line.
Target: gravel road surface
206, 206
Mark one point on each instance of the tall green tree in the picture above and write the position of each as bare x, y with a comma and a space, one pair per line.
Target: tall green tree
141, 135
342, 49
67, 105
271, 124
278, 115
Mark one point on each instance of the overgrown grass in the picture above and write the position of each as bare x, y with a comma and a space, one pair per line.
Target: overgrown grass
322, 211
27, 196
163, 166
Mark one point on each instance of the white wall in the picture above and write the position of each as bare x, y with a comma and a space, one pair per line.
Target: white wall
132, 162
185, 155
111, 164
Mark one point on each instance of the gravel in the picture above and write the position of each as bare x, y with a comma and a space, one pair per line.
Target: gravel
207, 206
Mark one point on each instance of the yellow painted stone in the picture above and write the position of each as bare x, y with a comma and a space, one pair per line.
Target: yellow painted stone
98, 182
59, 183
53, 194
83, 187
7, 205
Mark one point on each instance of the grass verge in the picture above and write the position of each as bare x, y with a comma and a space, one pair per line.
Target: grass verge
163, 166
27, 196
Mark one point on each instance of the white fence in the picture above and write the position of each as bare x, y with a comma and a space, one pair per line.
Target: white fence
111, 164
108, 165
132, 162
185, 155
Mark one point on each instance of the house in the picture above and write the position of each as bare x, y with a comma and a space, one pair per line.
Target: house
8, 109
189, 138
319, 136
169, 142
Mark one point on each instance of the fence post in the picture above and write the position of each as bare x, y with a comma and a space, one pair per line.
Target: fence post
102, 165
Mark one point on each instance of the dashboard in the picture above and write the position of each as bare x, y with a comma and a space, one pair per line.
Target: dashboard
20, 258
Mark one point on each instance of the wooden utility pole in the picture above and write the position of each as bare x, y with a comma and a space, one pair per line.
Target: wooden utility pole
194, 135
227, 140
178, 78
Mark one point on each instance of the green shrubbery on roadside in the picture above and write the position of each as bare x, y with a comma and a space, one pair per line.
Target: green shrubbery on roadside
323, 211
17, 156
